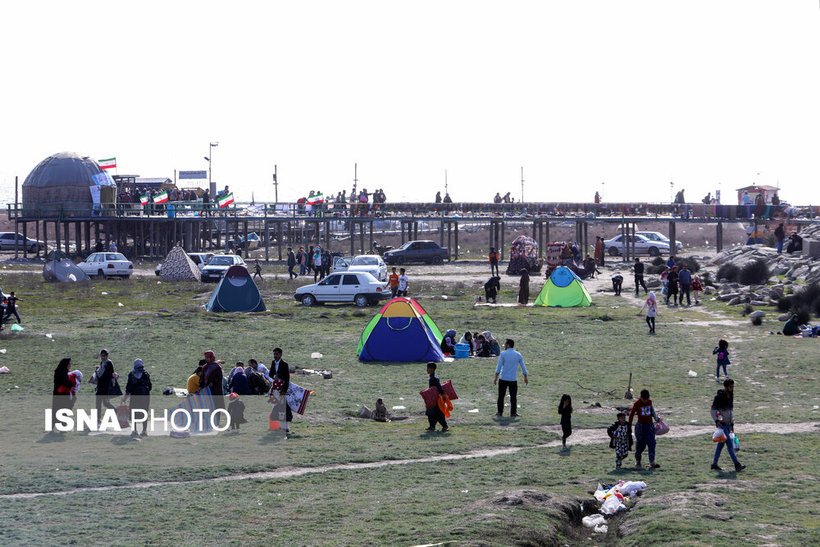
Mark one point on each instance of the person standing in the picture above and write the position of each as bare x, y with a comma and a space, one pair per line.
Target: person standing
780, 235
291, 264
639, 282
393, 283
138, 388
435, 415
257, 269
281, 371
651, 307
722, 412
318, 272
722, 352
301, 258
11, 307
672, 285
404, 282
644, 430
493, 262
685, 281
620, 438
506, 377
212, 376
62, 387
565, 410
599, 250
104, 378
524, 288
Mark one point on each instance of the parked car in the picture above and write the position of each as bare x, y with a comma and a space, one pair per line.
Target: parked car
361, 288
417, 251
8, 240
200, 259
107, 264
218, 265
657, 236
615, 246
372, 264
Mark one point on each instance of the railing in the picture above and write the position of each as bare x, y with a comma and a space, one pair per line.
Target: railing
482, 211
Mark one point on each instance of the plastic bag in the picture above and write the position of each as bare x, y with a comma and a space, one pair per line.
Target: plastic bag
661, 428
735, 442
593, 520
612, 505
719, 436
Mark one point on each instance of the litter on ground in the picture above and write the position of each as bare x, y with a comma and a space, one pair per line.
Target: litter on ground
4, 370
693, 374
612, 499
316, 355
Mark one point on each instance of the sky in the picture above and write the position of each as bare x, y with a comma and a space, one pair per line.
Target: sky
635, 100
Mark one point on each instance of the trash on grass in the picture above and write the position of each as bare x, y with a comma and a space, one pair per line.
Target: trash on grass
316, 355
693, 374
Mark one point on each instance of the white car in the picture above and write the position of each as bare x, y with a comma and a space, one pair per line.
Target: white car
107, 264
372, 264
218, 265
615, 246
360, 288
657, 236
11, 240
200, 259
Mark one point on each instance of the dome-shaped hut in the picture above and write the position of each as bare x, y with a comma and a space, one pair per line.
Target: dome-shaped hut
67, 185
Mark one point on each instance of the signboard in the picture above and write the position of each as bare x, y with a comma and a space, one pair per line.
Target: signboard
554, 253
193, 174
95, 195
103, 179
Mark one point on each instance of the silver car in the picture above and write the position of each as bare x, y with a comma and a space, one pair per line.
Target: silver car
372, 264
361, 288
107, 264
657, 236
615, 246
218, 265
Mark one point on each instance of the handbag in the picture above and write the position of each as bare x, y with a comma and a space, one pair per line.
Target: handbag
661, 428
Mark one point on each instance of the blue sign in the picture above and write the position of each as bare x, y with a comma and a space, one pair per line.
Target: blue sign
193, 174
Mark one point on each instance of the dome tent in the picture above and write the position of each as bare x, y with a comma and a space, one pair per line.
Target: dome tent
563, 289
60, 186
401, 332
236, 292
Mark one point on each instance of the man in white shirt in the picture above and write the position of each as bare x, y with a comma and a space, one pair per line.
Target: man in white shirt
403, 282
508, 363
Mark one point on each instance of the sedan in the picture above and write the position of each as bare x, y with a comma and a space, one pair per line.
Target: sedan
11, 240
361, 288
615, 246
218, 265
418, 251
372, 264
107, 264
657, 236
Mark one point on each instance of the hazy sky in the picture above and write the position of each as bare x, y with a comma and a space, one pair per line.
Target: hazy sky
631, 94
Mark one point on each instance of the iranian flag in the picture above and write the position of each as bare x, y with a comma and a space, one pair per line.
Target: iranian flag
225, 200
110, 163
161, 198
144, 199
318, 199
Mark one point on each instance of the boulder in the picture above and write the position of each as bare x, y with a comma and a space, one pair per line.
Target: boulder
757, 313
735, 301
758, 303
784, 316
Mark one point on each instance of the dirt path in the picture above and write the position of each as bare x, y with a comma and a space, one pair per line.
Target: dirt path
582, 437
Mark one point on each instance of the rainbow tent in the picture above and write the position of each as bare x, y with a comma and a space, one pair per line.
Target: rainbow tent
401, 332
563, 289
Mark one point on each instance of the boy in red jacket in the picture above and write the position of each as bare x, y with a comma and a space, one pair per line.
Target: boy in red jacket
645, 430
493, 261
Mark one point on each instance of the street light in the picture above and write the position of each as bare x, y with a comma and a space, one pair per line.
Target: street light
211, 183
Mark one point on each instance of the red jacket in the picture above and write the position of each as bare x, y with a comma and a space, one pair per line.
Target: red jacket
644, 410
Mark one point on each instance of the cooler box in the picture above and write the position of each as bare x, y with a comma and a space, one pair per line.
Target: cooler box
462, 351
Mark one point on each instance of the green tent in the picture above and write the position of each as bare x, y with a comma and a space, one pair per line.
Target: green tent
563, 289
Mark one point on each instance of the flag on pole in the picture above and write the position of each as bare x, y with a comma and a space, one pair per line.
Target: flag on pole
161, 198
109, 163
225, 200
317, 199
144, 199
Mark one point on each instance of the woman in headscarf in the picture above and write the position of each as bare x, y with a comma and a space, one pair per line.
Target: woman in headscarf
651, 307
524, 287
139, 389
62, 387
448, 343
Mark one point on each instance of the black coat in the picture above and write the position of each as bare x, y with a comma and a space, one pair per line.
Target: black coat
106, 378
282, 372
61, 380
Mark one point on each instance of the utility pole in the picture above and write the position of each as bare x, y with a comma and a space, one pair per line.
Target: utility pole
522, 184
275, 186
446, 191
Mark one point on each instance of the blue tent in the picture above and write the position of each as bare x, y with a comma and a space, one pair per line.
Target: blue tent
236, 291
401, 332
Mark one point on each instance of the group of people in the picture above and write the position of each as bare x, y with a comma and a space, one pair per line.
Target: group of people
679, 282
480, 344
503, 199
316, 260
357, 203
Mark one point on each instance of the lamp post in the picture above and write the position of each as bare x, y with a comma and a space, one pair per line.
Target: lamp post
671, 191
211, 183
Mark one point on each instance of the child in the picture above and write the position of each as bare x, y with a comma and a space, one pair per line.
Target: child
403, 282
565, 410
697, 287
617, 284
393, 283
435, 415
620, 438
651, 306
236, 408
722, 352
76, 378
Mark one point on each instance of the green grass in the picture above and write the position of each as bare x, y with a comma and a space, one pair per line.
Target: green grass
164, 325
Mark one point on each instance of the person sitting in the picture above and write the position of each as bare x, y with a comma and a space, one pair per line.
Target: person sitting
448, 344
381, 414
483, 347
792, 326
491, 288
193, 379
468, 339
590, 268
239, 381
495, 349
795, 243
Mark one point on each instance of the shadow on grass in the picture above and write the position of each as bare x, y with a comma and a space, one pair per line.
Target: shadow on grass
52, 437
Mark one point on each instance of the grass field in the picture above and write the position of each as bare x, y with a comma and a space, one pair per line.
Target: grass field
587, 352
